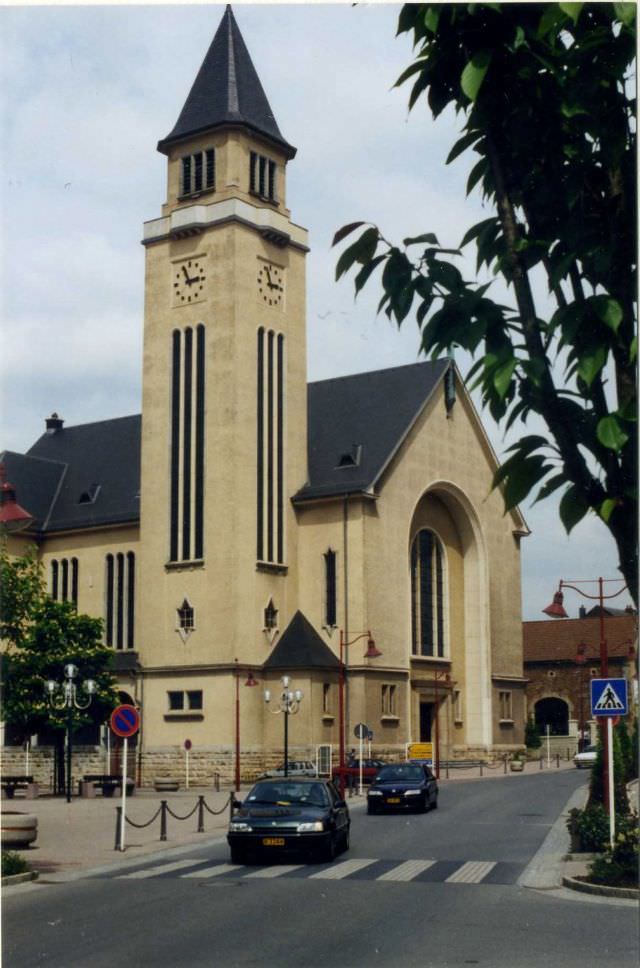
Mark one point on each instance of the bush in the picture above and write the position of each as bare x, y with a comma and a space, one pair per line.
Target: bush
619, 867
589, 827
13, 863
532, 735
596, 786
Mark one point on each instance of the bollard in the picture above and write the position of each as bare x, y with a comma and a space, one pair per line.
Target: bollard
505, 764
216, 782
446, 769
200, 814
558, 760
163, 820
118, 814
481, 773
540, 762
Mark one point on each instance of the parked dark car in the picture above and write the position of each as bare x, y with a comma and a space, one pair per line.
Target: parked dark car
403, 786
283, 816
370, 769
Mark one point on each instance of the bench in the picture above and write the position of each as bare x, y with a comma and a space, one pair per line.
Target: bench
107, 782
12, 783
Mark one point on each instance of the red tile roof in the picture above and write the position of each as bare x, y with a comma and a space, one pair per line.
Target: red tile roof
558, 639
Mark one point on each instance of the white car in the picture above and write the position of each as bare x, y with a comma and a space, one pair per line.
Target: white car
296, 768
587, 758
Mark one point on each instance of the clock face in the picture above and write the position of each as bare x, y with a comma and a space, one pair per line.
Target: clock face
270, 284
188, 281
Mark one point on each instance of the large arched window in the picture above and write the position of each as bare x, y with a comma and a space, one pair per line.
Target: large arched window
427, 595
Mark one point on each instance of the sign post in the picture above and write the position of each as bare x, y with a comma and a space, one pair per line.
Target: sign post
125, 722
187, 747
609, 701
361, 731
421, 751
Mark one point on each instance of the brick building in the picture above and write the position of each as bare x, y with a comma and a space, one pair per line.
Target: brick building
560, 659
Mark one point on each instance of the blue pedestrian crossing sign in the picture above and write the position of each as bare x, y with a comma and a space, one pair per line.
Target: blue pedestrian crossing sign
609, 697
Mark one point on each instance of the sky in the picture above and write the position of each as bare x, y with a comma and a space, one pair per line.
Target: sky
87, 92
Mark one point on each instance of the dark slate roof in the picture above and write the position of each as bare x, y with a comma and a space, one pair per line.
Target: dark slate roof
79, 477
227, 90
300, 647
356, 424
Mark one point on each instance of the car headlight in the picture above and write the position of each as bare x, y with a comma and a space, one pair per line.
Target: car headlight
375, 793
239, 827
312, 827
412, 793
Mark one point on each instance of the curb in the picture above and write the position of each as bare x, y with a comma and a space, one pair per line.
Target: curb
12, 879
603, 890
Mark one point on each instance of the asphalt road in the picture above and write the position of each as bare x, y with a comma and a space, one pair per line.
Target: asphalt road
433, 890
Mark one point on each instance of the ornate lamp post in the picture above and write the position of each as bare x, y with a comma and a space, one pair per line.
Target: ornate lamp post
556, 610
288, 704
68, 699
250, 682
372, 653
580, 660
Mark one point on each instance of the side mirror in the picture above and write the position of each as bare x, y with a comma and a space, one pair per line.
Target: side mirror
236, 804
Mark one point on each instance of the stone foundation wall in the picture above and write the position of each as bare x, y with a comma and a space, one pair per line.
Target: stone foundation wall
85, 759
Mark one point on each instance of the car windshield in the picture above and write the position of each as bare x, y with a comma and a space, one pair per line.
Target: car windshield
285, 793
400, 772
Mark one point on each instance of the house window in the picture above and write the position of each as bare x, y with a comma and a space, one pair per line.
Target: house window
506, 709
186, 619
330, 597
326, 699
389, 700
270, 616
457, 706
187, 444
64, 580
180, 701
198, 172
427, 595
262, 176
120, 584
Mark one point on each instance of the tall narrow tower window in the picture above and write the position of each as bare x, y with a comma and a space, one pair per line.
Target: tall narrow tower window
187, 445
330, 597
64, 580
262, 176
120, 600
270, 446
427, 595
198, 172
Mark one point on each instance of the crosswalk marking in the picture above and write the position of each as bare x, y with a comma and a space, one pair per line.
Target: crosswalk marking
472, 872
343, 869
275, 871
407, 871
176, 865
215, 871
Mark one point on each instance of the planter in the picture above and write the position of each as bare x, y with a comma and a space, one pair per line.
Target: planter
18, 829
516, 766
166, 785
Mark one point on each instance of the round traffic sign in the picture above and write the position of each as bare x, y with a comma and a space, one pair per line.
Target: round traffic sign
187, 744
125, 720
361, 731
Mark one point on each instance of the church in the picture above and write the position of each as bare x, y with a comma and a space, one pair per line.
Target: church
249, 526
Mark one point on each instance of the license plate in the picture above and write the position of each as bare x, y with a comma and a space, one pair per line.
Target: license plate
393, 799
273, 841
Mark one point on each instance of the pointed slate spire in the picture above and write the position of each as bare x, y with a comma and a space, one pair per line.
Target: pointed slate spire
226, 91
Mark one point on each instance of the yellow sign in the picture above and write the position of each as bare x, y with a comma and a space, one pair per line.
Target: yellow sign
420, 751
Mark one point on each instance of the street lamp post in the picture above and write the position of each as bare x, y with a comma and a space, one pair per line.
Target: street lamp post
437, 676
68, 699
372, 653
556, 610
288, 704
580, 659
250, 682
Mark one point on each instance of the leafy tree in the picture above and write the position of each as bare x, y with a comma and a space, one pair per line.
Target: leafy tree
626, 746
40, 636
547, 101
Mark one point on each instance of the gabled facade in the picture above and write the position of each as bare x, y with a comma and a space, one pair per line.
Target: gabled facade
246, 520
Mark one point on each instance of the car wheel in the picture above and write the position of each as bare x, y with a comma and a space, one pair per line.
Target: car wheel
345, 839
371, 809
434, 803
331, 849
238, 855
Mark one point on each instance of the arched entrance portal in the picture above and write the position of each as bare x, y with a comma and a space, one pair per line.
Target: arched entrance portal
554, 713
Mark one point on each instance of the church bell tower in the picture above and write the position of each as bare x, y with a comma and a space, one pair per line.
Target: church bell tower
224, 384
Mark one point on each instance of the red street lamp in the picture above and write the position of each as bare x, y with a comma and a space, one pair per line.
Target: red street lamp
249, 682
437, 676
556, 610
580, 660
372, 653
12, 516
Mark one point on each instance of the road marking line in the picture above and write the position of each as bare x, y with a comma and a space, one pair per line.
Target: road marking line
472, 872
406, 871
343, 869
214, 871
162, 869
275, 871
